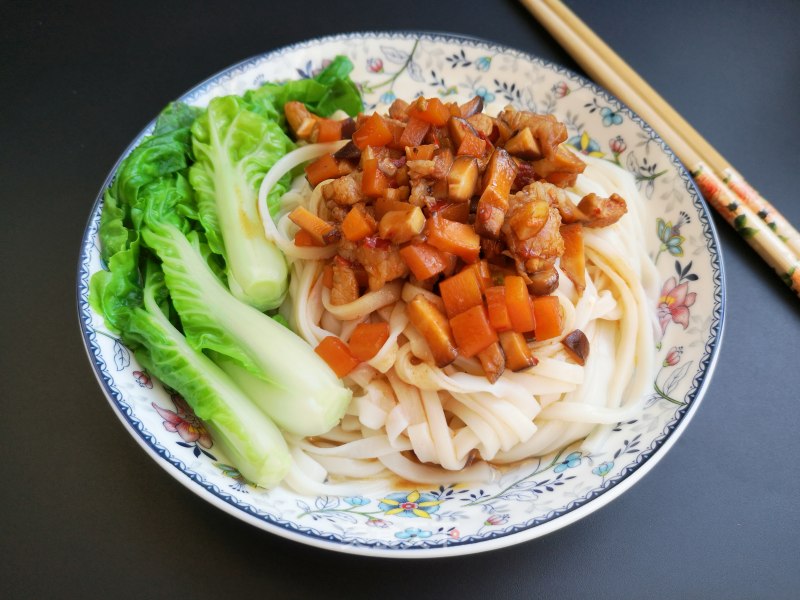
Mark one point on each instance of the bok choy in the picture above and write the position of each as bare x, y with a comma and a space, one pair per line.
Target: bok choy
189, 271
235, 142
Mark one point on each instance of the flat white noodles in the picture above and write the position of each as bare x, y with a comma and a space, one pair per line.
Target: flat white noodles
411, 419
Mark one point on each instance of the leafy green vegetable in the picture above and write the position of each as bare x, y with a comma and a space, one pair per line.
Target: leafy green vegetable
246, 435
305, 413
177, 115
331, 90
187, 262
287, 379
234, 148
243, 432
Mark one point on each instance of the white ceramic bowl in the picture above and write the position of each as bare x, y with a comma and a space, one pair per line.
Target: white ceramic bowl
532, 498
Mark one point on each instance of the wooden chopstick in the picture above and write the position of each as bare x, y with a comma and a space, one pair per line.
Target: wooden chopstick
732, 179
608, 69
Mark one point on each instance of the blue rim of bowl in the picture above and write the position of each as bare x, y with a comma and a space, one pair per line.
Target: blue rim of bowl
555, 519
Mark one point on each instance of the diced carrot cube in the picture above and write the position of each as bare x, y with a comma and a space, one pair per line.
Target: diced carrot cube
457, 238
336, 353
397, 134
303, 239
482, 274
367, 339
326, 130
519, 304
423, 260
374, 132
472, 331
358, 224
460, 292
430, 110
414, 132
374, 182
547, 311
498, 311
325, 167
573, 261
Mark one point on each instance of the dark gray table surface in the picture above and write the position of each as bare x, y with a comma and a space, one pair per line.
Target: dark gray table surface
84, 512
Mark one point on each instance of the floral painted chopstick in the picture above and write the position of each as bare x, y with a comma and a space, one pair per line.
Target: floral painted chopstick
755, 219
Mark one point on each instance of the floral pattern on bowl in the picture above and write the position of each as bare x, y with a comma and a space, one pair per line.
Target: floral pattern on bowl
529, 499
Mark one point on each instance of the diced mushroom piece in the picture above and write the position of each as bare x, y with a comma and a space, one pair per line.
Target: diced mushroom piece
525, 174
543, 283
489, 219
493, 361
435, 328
300, 119
462, 179
524, 145
345, 285
459, 128
601, 212
348, 128
527, 219
518, 354
344, 191
305, 130
439, 136
442, 161
319, 229
456, 238
348, 152
492, 250
452, 211
472, 107
577, 346
493, 204
400, 226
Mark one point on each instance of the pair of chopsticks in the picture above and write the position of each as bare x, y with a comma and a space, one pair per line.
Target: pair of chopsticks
757, 221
